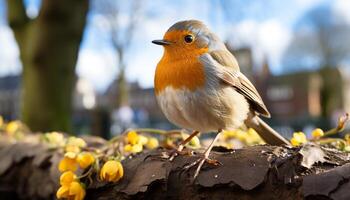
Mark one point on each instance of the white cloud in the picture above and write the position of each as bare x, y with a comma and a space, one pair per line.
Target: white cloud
243, 34
32, 10
150, 29
306, 4
97, 67
341, 8
9, 52
141, 68
269, 38
274, 38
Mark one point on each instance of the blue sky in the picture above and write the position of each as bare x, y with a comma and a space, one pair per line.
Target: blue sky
266, 26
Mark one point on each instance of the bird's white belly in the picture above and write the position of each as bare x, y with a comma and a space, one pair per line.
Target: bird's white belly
204, 110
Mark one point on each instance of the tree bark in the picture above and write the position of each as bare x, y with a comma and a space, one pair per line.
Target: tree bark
123, 89
49, 47
29, 171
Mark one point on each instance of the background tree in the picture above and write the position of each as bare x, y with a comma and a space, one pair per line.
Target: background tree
49, 47
321, 39
234, 11
122, 18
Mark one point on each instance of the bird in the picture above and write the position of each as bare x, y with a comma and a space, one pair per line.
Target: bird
198, 86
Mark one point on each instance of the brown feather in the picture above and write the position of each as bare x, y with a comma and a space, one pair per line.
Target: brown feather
225, 58
239, 81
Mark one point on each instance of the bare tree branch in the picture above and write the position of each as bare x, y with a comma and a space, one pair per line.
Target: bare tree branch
122, 20
16, 13
17, 18
134, 16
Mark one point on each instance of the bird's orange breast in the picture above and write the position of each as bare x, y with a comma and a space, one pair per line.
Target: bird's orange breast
180, 68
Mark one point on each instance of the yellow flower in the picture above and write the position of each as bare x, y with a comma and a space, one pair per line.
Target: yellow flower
143, 140
13, 127
252, 137
228, 134
67, 178
55, 138
75, 141
347, 138
112, 171
298, 139
128, 148
72, 191
85, 159
1, 121
317, 133
137, 148
67, 164
71, 155
241, 135
71, 148
169, 142
76, 191
133, 148
347, 148
132, 138
63, 192
152, 143
194, 142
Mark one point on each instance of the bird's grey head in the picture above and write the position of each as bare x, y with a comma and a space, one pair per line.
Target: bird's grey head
193, 30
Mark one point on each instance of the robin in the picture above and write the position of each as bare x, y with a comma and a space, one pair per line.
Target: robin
199, 86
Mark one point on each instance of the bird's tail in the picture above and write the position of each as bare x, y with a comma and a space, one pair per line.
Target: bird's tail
268, 134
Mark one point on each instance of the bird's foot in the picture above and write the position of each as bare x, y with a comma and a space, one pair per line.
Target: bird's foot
166, 155
179, 151
180, 148
200, 162
205, 158
176, 152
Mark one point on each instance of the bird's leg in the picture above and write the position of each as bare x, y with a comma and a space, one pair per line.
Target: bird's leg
201, 161
182, 145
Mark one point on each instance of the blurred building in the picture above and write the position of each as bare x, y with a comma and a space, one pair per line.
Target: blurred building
295, 100
10, 97
301, 99
345, 73
293, 97
308, 98
143, 103
84, 95
245, 60
84, 100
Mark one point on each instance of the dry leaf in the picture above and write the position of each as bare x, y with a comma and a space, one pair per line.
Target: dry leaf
312, 154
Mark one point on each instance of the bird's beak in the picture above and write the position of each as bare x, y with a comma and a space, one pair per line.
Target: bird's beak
161, 42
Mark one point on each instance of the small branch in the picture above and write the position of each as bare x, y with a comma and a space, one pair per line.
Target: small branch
340, 127
18, 20
86, 173
150, 130
16, 14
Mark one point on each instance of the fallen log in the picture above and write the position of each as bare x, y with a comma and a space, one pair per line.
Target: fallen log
29, 171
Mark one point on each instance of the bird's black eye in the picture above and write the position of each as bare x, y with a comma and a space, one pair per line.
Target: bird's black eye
188, 38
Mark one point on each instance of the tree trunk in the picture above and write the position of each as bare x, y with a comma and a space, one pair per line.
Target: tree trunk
123, 89
29, 171
49, 48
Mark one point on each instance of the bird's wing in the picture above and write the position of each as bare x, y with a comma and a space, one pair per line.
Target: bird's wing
225, 58
231, 75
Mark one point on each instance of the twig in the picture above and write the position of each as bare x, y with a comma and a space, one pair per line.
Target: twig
86, 173
340, 127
